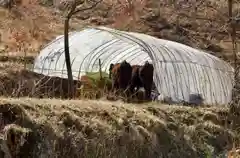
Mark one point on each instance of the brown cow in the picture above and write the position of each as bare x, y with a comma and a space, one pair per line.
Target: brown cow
142, 76
120, 74
146, 76
135, 80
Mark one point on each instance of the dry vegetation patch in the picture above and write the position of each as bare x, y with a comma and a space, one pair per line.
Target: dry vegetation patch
15, 81
31, 25
105, 129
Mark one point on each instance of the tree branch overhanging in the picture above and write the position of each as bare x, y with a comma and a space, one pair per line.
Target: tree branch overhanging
73, 10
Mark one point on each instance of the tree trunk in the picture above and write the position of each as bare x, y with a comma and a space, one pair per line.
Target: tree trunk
234, 107
67, 58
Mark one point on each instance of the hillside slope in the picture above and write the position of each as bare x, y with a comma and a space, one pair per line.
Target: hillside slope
203, 24
50, 128
58, 128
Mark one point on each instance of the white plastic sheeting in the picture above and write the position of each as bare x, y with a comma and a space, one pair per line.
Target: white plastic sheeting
179, 69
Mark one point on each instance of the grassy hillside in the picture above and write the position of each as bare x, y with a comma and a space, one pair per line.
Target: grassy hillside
203, 24
104, 129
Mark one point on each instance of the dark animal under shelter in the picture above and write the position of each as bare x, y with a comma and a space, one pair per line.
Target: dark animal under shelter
142, 76
120, 73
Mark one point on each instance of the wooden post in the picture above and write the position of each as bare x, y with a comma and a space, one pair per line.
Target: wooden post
25, 57
100, 69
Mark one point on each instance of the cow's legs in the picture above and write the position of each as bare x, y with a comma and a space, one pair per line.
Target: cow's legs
148, 88
148, 93
115, 87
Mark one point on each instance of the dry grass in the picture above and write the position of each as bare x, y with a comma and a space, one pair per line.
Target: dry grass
29, 26
64, 128
15, 81
73, 128
24, 30
20, 82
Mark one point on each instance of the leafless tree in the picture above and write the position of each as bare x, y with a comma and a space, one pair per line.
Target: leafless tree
74, 8
234, 109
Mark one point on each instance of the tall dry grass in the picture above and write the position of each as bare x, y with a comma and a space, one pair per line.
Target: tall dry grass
73, 128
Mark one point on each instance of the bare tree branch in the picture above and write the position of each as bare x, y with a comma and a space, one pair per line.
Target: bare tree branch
72, 11
87, 8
